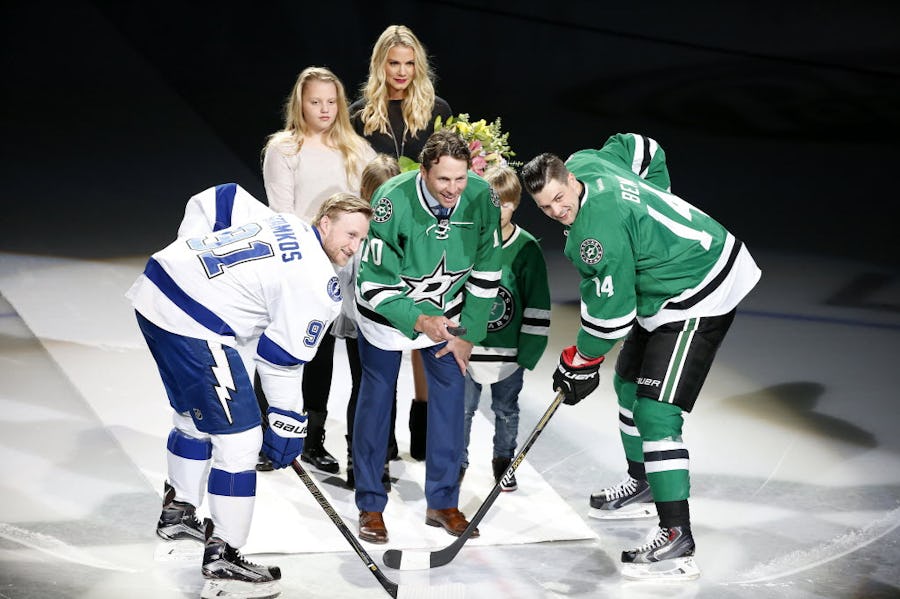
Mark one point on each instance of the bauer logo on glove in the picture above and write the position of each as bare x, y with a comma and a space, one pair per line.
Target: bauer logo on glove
290, 428
575, 375
283, 438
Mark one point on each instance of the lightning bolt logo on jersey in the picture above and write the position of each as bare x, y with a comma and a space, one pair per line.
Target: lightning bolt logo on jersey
417, 263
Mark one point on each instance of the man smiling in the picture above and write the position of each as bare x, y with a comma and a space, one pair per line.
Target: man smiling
238, 277
431, 261
665, 277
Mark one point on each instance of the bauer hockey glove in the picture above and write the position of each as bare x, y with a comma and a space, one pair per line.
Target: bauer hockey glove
283, 438
577, 382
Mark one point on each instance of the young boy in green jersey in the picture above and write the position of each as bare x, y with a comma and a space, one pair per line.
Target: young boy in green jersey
517, 329
665, 277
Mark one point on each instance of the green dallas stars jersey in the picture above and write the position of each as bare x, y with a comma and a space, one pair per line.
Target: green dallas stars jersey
520, 317
415, 263
643, 253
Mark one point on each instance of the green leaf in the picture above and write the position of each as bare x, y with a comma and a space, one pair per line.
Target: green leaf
407, 164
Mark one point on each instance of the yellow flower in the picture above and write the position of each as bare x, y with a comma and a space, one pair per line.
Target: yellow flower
488, 143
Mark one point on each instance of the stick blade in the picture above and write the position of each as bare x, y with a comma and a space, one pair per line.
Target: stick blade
407, 560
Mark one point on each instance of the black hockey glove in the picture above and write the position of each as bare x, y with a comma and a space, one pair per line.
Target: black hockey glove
577, 382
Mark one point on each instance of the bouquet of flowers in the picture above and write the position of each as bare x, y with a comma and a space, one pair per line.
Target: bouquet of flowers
487, 142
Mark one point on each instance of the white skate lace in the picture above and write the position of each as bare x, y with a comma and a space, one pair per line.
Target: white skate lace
243, 561
624, 488
661, 538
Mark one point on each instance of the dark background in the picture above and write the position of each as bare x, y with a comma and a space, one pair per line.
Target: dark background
779, 119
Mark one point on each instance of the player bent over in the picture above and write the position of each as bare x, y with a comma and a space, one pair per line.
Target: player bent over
667, 278
267, 284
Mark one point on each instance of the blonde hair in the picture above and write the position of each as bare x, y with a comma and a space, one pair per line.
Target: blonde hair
505, 182
340, 135
418, 102
382, 168
342, 203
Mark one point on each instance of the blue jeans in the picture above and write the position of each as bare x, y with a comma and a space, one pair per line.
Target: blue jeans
505, 405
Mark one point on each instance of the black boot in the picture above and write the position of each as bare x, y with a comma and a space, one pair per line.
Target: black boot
386, 477
314, 446
351, 479
263, 463
418, 429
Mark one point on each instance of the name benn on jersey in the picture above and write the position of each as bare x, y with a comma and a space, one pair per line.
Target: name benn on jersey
433, 287
629, 190
286, 238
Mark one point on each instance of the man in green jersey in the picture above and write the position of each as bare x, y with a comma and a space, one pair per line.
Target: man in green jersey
667, 278
430, 263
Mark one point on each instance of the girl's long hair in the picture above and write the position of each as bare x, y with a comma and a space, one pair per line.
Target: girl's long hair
340, 135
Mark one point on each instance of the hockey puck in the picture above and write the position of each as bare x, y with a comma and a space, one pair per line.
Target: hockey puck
456, 331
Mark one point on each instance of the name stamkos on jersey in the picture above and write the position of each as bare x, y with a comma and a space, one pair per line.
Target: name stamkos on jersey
382, 211
334, 289
591, 251
501, 310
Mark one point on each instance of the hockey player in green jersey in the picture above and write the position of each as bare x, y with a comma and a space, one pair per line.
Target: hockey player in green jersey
517, 330
431, 261
667, 278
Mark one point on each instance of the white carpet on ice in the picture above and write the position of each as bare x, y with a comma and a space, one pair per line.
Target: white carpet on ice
78, 311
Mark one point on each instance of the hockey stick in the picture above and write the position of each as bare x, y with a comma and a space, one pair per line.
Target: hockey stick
421, 560
389, 586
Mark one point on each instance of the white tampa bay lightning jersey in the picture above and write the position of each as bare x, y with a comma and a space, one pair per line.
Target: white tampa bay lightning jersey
220, 207
267, 279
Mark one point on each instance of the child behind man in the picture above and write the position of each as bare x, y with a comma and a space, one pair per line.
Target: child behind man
379, 170
517, 329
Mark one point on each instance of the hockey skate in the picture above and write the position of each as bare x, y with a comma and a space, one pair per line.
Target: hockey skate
178, 519
229, 576
631, 498
179, 527
668, 555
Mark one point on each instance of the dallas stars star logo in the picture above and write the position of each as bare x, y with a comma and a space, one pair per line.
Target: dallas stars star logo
432, 288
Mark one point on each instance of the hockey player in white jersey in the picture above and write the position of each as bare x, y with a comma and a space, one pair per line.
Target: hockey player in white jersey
267, 282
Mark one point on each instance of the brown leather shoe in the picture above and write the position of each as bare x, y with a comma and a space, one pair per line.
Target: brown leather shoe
371, 527
451, 519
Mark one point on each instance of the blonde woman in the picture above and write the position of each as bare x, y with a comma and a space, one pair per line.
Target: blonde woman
396, 115
316, 155
398, 106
